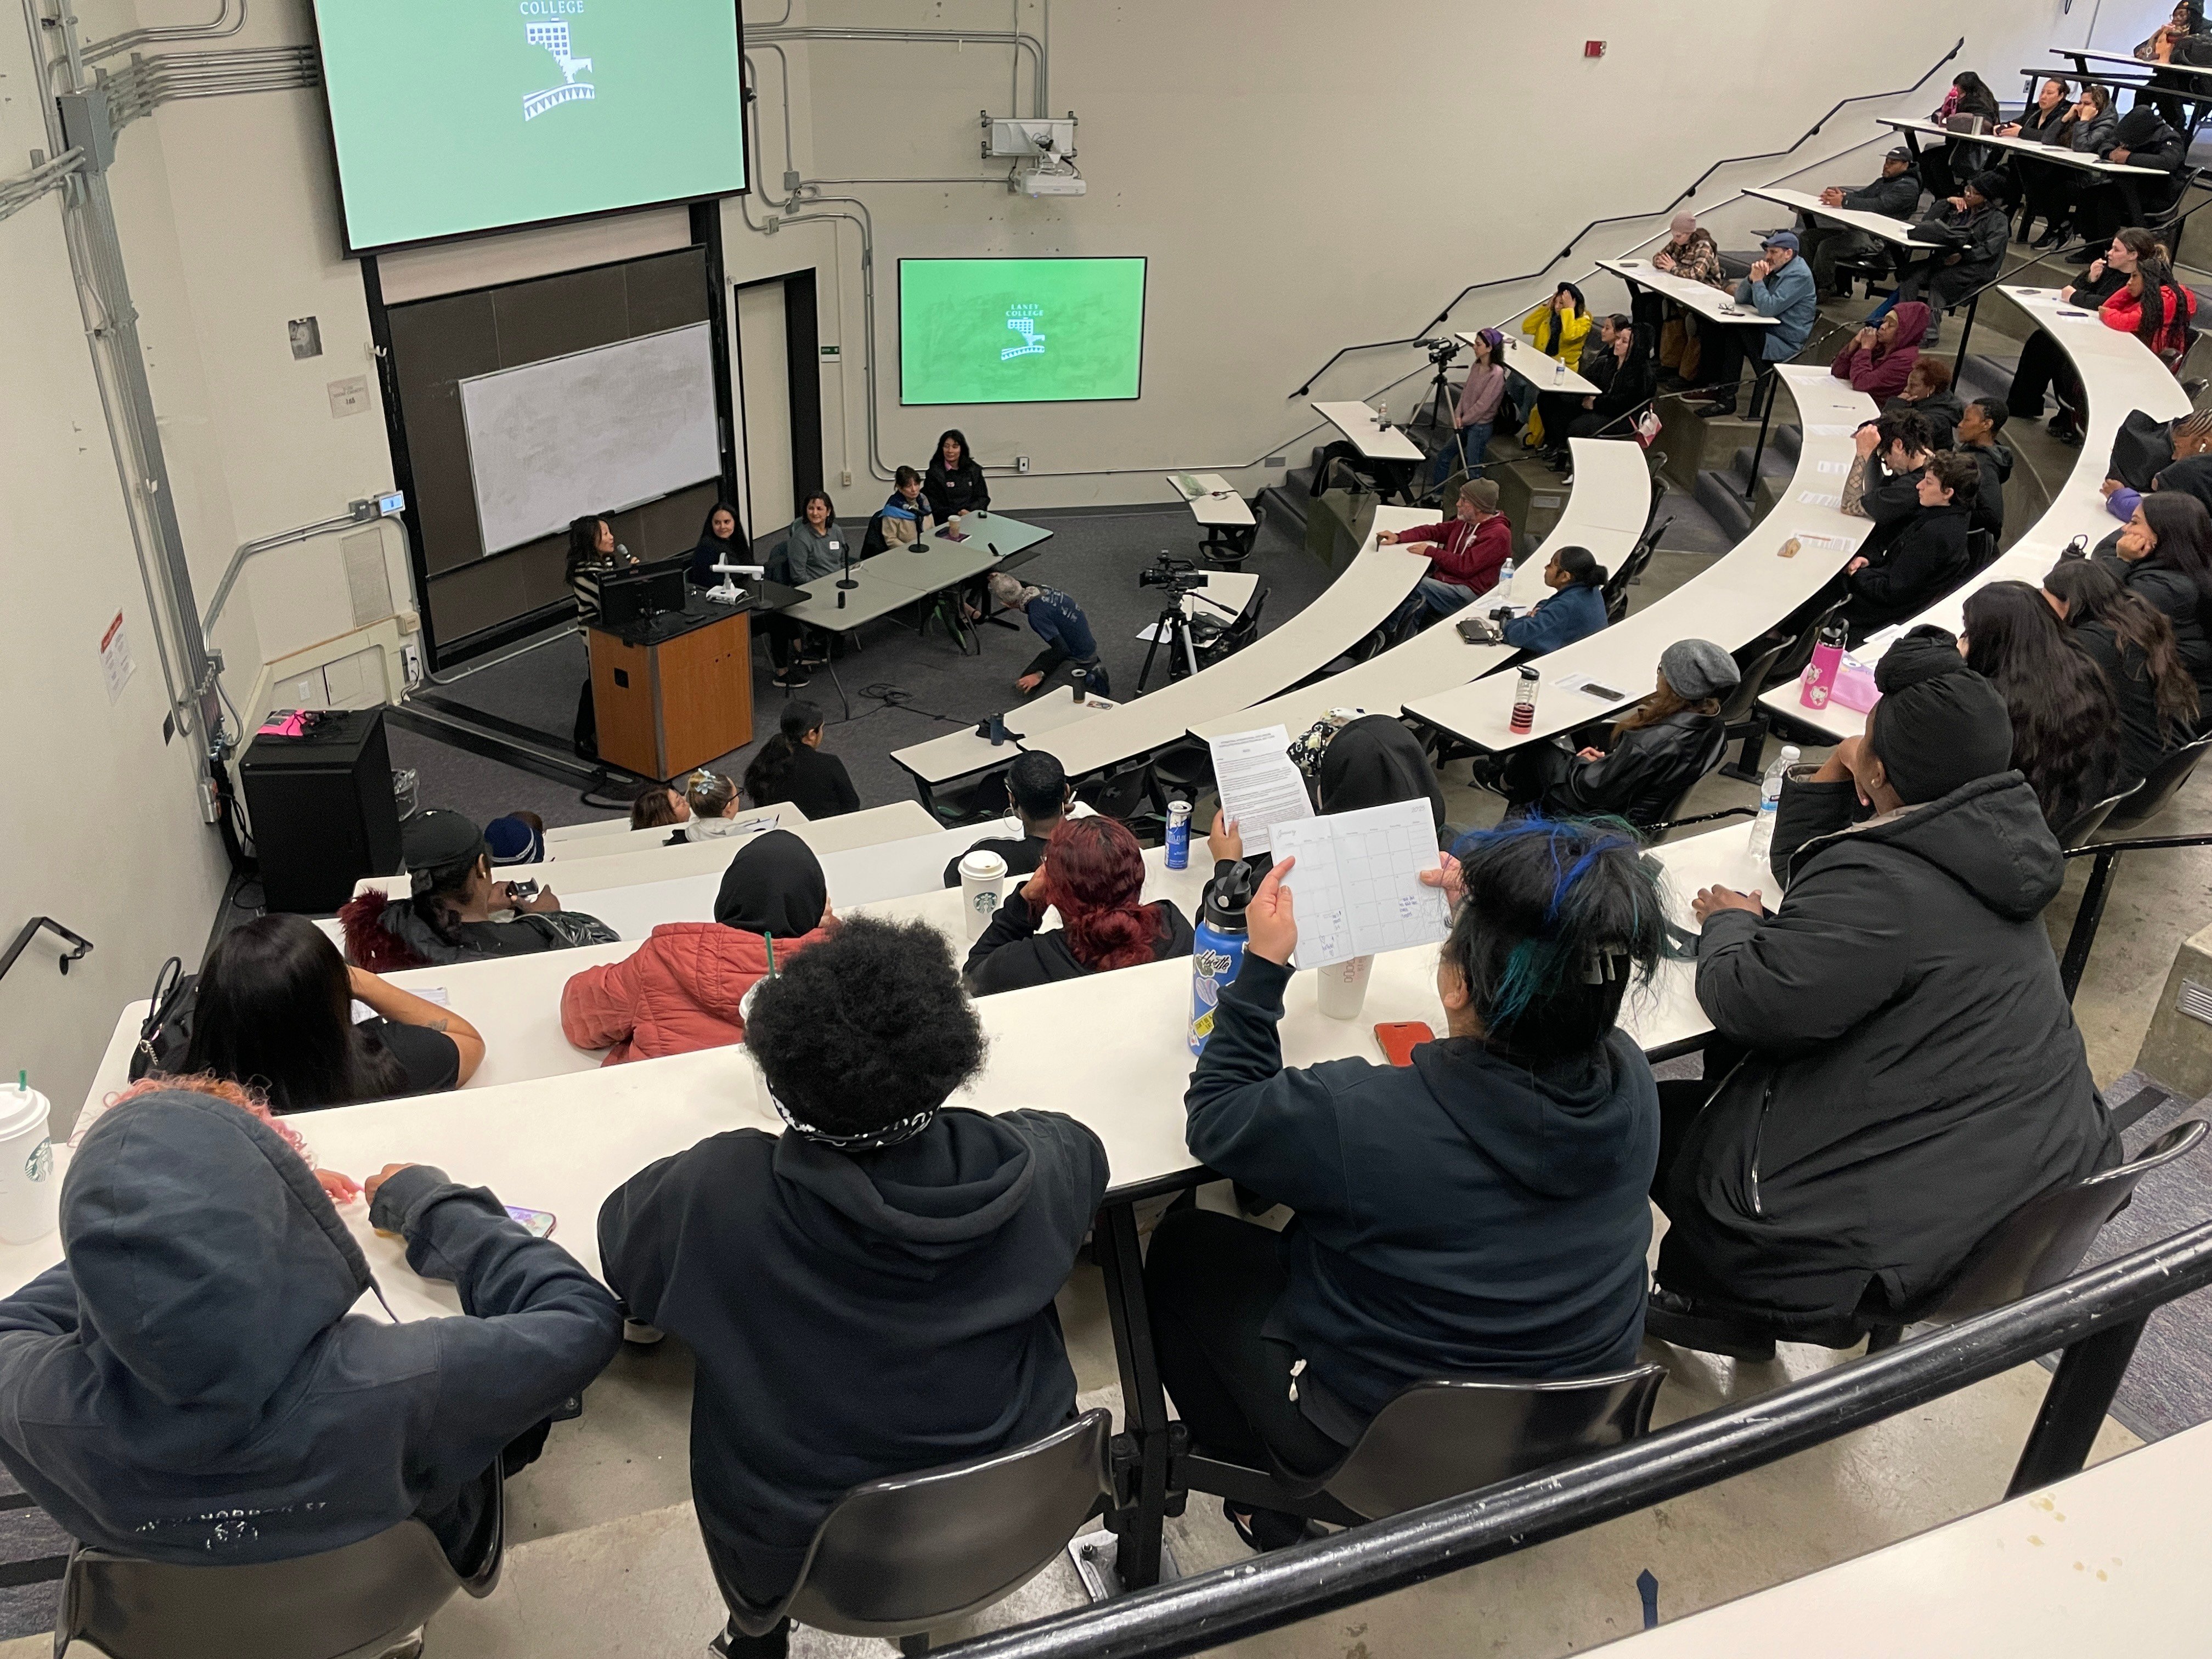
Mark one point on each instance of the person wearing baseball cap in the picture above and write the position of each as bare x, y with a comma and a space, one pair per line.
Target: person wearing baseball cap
1827, 242
1471, 549
1902, 1070
1780, 286
1970, 231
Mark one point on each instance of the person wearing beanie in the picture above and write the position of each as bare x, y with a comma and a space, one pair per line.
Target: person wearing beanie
518, 838
1971, 231
1691, 253
1780, 286
1470, 549
1896, 1069
1652, 756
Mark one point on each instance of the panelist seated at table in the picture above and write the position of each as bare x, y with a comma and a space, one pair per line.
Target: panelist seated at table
1641, 765
1478, 1213
791, 766
684, 988
905, 515
870, 1292
815, 548
455, 912
190, 1385
1470, 548
1826, 243
1037, 785
955, 484
1057, 620
1575, 608
1897, 1070
1093, 874
272, 1010
722, 540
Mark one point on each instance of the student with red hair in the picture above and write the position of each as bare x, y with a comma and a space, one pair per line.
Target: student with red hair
1093, 874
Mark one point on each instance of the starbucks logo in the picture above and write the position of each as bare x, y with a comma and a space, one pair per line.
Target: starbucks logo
39, 1166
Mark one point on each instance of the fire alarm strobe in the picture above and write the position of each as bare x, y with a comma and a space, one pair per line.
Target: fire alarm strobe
1593, 48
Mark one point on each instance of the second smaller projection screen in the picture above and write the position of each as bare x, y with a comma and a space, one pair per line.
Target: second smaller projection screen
1020, 330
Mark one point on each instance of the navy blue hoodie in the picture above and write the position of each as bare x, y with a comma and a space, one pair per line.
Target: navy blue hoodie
189, 1386
1464, 1216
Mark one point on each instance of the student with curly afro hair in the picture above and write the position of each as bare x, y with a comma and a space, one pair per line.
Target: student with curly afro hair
869, 1292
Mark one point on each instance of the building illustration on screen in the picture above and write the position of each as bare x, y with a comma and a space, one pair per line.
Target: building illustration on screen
1022, 319
553, 37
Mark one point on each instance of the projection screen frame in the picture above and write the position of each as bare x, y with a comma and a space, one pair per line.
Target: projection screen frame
1144, 323
348, 250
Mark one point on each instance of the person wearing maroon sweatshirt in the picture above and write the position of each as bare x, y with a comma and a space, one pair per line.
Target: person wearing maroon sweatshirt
1877, 360
1469, 549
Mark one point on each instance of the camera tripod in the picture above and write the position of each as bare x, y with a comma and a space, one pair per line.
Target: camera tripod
1442, 403
1175, 626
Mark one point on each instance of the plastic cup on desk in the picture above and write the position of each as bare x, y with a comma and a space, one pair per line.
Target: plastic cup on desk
1340, 988
982, 889
30, 1194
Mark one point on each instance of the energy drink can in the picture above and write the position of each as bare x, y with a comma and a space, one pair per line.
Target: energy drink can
1178, 834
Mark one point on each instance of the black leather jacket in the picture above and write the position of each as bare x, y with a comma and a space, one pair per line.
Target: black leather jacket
1643, 774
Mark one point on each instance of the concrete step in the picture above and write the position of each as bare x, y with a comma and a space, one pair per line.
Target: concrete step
1287, 503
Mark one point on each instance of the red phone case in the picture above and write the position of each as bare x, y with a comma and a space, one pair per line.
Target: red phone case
1399, 1039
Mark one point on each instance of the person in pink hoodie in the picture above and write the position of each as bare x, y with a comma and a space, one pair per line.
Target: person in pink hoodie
681, 990
1877, 360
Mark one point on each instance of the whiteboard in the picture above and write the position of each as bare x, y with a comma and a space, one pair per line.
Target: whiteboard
594, 432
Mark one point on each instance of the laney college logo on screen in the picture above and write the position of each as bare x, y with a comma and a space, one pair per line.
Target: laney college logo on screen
549, 27
1022, 319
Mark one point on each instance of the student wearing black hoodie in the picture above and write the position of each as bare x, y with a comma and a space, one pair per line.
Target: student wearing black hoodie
1927, 559
1980, 424
191, 1386
871, 1292
1897, 1069
1510, 1159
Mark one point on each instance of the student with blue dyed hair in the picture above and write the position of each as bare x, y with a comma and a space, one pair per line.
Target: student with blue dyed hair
1512, 1158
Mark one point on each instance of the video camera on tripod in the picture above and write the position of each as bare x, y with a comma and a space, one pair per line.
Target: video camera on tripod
1178, 576
1441, 352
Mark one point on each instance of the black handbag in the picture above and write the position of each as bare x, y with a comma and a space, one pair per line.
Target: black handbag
2141, 449
167, 1031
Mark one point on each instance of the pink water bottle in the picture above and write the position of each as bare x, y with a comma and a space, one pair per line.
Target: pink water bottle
1827, 662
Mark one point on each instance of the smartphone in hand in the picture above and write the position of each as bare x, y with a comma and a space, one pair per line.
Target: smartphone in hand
538, 1224
1400, 1038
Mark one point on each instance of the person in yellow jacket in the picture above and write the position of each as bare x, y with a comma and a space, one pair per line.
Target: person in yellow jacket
1556, 328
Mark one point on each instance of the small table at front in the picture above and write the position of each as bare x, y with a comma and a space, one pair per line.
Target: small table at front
1398, 456
673, 692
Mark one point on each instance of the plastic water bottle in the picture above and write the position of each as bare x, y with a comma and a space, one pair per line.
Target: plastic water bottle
1382, 418
1524, 699
1504, 587
1216, 952
1558, 371
1769, 806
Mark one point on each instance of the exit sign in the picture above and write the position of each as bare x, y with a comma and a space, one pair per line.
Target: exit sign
830, 351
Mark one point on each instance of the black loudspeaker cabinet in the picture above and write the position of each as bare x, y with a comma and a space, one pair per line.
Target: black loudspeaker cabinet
322, 811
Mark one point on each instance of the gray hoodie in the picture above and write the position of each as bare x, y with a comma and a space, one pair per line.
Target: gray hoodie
190, 1385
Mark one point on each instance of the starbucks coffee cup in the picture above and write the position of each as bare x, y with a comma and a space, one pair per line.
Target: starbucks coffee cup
30, 1200
983, 887
1342, 986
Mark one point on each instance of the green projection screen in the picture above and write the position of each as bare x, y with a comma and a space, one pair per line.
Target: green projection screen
1020, 330
451, 117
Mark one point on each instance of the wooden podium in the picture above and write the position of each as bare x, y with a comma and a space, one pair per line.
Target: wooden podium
674, 692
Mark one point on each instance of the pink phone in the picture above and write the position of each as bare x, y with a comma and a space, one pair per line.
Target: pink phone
538, 1223
1400, 1038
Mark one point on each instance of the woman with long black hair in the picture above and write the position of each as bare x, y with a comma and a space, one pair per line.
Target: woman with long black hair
2065, 718
592, 556
722, 540
272, 1012
2163, 556
2135, 646
2153, 306
792, 767
954, 484
1611, 412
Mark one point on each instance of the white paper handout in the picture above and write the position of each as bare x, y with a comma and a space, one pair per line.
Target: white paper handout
1357, 885
1815, 498
1260, 786
1830, 429
436, 993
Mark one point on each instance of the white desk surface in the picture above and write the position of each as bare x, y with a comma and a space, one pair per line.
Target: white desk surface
928, 565
1355, 605
878, 589
2109, 1561
565, 858
1605, 513
2119, 375
1717, 303
1362, 426
1732, 603
2071, 158
1540, 371
1222, 595
1216, 502
1897, 231
957, 754
1109, 1050
2127, 59
555, 833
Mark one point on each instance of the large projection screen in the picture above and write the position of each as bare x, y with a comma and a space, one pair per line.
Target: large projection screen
597, 432
1021, 330
450, 117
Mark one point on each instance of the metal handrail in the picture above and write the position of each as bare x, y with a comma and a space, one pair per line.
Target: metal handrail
2095, 1316
79, 944
1624, 218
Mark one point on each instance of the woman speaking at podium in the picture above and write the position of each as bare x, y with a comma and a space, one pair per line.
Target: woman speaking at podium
592, 556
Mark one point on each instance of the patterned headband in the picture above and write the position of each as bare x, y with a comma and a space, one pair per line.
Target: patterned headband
891, 1134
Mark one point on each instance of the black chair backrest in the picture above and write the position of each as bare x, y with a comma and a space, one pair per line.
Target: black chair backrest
2044, 1240
1617, 585
2076, 830
1245, 629
1439, 1439
1739, 703
2164, 781
1651, 516
874, 541
1118, 794
919, 1551
357, 1602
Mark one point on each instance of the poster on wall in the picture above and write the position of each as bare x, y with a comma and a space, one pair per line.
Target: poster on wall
115, 664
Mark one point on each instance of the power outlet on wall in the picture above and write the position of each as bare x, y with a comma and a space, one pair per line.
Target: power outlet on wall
845, 479
1021, 463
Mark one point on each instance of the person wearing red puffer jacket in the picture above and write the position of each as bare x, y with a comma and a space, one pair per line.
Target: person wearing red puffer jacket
682, 989
2161, 322
1469, 550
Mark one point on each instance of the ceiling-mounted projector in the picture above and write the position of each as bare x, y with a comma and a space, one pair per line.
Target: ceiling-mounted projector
1048, 178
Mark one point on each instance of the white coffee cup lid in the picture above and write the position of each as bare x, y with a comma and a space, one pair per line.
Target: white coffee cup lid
21, 1110
982, 864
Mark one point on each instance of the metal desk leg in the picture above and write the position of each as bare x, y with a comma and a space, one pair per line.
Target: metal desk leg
1139, 1522
1771, 381
2074, 1407
1966, 334
847, 702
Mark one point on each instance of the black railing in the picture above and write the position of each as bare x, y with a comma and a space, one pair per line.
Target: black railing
2073, 962
2095, 1318
79, 944
1626, 218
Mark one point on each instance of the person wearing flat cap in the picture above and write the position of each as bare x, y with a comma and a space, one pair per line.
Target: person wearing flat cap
1653, 753
1780, 286
1896, 1068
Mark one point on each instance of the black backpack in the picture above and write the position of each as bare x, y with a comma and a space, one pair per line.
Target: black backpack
167, 1031
2141, 449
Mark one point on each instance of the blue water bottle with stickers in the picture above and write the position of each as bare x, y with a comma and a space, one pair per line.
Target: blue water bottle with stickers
1217, 950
